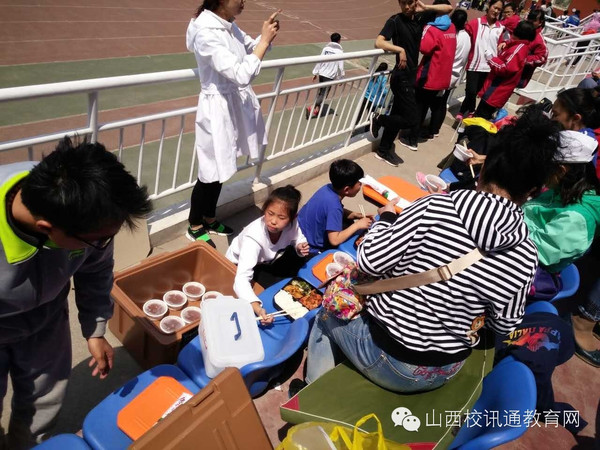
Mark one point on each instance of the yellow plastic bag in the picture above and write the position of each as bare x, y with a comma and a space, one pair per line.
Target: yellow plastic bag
326, 435
485, 124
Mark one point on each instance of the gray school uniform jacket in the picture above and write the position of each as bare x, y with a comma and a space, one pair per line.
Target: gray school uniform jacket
35, 281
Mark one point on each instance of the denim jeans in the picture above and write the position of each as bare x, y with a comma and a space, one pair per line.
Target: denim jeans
591, 309
331, 339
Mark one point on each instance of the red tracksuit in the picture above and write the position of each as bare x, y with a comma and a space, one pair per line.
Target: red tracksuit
538, 55
506, 70
438, 48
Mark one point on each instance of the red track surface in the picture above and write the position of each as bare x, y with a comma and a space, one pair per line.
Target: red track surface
34, 31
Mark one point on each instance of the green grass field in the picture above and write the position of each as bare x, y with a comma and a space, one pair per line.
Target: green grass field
12, 113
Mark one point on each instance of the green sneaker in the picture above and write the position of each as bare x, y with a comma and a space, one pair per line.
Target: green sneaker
218, 228
199, 235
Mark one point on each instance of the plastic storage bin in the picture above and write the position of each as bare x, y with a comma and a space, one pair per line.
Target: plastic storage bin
153, 277
228, 334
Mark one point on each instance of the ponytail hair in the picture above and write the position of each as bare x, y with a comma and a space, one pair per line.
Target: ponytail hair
211, 5
288, 195
578, 179
584, 102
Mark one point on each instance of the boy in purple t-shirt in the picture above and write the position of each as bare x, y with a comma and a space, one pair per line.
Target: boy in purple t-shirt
322, 218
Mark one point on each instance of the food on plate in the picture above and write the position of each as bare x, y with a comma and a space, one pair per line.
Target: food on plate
286, 302
312, 300
302, 292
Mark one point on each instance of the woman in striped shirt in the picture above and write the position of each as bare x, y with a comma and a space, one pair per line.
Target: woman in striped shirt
417, 339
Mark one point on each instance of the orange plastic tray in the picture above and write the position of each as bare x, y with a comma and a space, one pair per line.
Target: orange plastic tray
145, 410
401, 187
318, 269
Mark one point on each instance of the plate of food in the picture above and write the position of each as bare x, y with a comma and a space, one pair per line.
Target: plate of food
298, 297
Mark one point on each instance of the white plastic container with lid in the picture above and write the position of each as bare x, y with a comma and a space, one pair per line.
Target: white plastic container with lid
228, 334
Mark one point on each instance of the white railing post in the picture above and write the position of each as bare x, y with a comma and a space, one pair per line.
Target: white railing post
357, 109
277, 90
93, 115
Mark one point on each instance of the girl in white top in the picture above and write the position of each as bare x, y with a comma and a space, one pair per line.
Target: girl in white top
229, 121
265, 245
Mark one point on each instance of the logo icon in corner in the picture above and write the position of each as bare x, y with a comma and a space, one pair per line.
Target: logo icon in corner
403, 417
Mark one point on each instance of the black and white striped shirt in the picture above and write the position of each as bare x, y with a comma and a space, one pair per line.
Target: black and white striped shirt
432, 232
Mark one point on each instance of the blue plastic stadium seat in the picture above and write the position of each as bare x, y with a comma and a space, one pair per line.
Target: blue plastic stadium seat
541, 306
306, 270
570, 282
348, 246
100, 428
63, 442
510, 386
280, 341
448, 176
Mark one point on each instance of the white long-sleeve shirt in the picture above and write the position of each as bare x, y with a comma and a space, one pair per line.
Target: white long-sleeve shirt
463, 47
330, 69
253, 246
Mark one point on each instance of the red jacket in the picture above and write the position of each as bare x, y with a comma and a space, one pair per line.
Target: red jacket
538, 55
438, 48
506, 70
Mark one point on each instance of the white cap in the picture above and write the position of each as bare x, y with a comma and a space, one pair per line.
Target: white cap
576, 147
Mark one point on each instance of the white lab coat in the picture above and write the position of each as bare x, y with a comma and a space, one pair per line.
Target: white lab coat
229, 122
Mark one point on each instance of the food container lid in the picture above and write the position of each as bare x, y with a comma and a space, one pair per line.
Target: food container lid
171, 324
231, 332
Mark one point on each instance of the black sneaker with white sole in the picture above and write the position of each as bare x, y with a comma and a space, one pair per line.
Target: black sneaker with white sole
389, 157
219, 228
374, 125
410, 144
199, 235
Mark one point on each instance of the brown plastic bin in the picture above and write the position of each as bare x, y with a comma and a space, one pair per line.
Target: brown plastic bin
154, 276
221, 416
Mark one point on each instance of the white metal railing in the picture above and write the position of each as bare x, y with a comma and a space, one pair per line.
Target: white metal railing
158, 147
571, 58
289, 131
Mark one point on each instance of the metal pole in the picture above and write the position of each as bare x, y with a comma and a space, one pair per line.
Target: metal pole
277, 90
93, 114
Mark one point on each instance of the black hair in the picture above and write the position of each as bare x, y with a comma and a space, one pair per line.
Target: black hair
441, 2
288, 195
584, 102
459, 19
578, 179
537, 14
492, 2
335, 37
211, 5
382, 67
82, 188
578, 11
566, 12
344, 172
512, 5
524, 30
522, 156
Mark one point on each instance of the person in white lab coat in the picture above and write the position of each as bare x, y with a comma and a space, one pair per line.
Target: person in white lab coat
229, 122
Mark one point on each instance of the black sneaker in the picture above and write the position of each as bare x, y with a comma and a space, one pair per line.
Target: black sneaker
374, 125
296, 385
199, 235
389, 157
218, 228
411, 144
